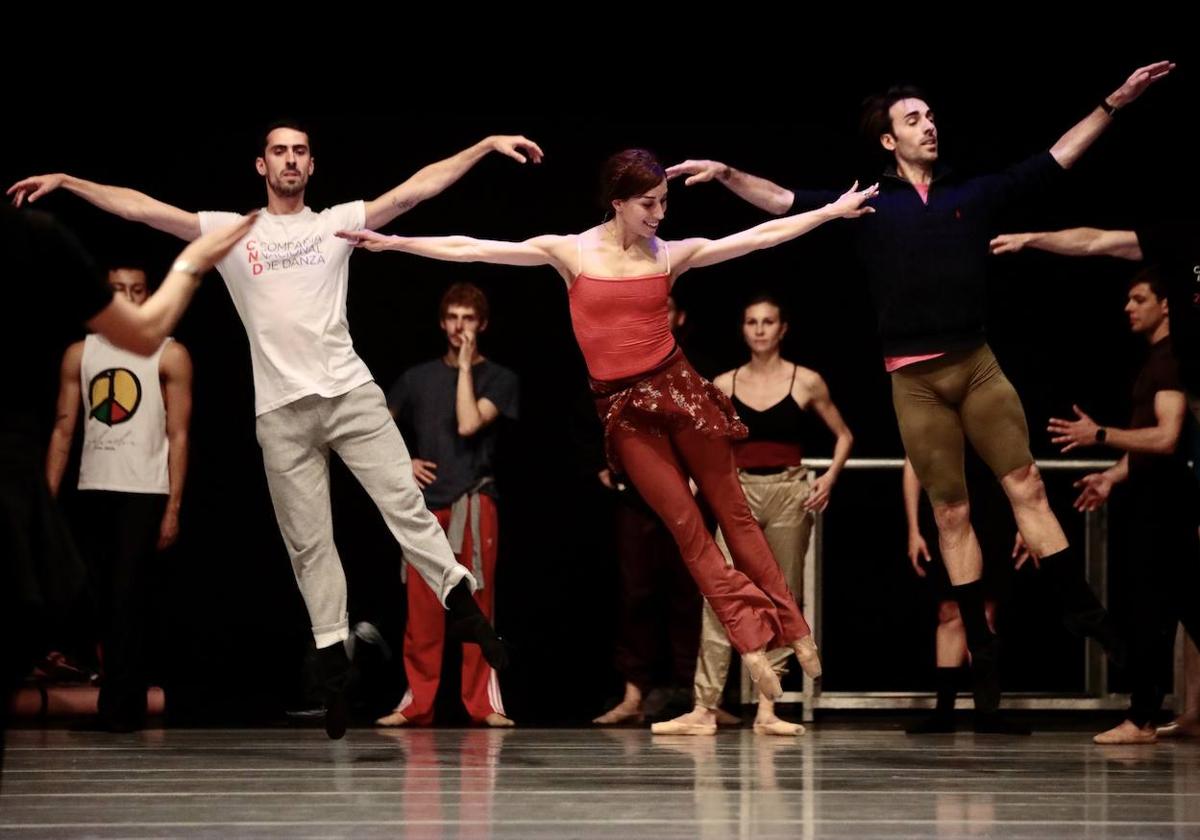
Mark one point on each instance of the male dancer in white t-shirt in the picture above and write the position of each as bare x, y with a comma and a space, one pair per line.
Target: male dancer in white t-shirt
312, 393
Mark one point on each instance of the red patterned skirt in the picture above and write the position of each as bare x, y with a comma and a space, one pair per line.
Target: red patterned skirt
666, 399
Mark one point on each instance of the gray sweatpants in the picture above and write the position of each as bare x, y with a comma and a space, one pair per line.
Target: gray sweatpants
296, 440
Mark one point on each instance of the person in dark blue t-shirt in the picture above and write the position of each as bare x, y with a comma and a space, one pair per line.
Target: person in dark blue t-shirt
448, 408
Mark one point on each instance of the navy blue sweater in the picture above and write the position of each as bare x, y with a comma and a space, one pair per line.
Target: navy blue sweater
927, 262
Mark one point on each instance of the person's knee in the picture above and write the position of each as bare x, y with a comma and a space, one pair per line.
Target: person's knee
948, 614
1025, 486
952, 517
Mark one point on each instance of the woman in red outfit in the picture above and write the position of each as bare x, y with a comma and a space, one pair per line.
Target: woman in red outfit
663, 423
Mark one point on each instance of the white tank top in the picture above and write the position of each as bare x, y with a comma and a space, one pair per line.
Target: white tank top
125, 420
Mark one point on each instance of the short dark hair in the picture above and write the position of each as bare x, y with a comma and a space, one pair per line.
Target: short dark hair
874, 121
130, 263
465, 294
1152, 276
284, 122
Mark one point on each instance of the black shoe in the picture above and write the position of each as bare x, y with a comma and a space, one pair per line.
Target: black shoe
333, 678
337, 710
985, 677
467, 623
935, 724
994, 723
304, 711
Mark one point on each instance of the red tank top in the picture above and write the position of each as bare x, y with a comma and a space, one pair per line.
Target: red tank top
621, 323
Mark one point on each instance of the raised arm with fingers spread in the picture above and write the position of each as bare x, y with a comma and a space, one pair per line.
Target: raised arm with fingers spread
1083, 134
763, 194
436, 177
129, 204
559, 251
540, 250
695, 253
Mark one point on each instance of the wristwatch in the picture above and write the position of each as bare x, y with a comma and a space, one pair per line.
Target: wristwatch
1101, 435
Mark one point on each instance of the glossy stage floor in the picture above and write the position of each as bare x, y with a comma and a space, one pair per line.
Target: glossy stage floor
567, 783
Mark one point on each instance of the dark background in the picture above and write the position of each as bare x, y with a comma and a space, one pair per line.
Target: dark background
233, 627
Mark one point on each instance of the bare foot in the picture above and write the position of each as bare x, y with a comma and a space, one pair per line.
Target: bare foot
394, 719
1127, 732
497, 719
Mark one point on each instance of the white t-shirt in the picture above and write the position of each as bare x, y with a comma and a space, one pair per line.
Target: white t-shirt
288, 280
124, 420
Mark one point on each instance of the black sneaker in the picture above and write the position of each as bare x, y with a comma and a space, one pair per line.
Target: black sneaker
467, 623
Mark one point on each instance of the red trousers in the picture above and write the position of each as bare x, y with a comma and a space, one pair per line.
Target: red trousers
752, 600
425, 634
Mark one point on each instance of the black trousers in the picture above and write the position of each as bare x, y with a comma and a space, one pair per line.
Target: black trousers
118, 539
659, 615
1164, 581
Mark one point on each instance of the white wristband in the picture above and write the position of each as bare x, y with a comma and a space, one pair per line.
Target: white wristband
185, 267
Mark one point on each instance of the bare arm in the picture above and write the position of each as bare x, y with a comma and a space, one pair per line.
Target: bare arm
542, 250
129, 204
1071, 146
911, 488
822, 403
695, 253
1073, 242
918, 549
819, 401
143, 329
1119, 471
1170, 408
1094, 489
436, 177
763, 194
724, 383
175, 370
66, 415
472, 414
